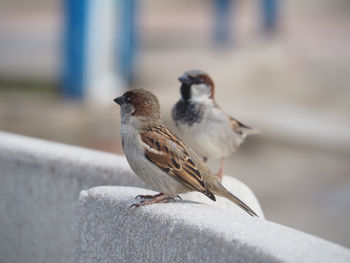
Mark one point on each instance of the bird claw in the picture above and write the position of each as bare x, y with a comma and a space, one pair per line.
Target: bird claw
140, 196
135, 205
178, 197
160, 198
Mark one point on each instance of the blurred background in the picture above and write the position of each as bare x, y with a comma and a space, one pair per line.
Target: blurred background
280, 66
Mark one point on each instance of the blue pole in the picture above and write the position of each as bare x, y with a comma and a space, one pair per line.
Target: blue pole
75, 12
222, 20
270, 9
127, 44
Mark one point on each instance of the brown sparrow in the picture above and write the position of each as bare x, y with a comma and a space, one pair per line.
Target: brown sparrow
201, 123
160, 158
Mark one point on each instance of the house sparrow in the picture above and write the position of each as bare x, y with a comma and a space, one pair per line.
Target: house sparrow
201, 123
159, 157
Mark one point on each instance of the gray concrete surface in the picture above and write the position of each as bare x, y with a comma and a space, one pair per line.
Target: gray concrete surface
40, 183
110, 231
39, 187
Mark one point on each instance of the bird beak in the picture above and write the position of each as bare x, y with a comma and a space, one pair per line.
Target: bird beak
119, 100
184, 79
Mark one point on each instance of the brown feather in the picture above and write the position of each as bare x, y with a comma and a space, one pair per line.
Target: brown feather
144, 102
238, 126
178, 163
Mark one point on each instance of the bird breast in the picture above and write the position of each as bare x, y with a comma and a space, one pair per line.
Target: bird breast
153, 176
213, 137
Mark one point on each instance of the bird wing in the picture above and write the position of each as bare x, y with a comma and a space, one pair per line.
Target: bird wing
237, 125
241, 128
170, 154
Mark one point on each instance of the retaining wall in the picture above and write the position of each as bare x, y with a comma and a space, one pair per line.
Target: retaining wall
40, 183
39, 188
109, 231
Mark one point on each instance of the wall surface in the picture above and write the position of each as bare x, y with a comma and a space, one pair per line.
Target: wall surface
39, 188
40, 183
110, 231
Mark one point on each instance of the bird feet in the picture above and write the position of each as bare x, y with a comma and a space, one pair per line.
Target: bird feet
148, 196
153, 199
219, 175
221, 171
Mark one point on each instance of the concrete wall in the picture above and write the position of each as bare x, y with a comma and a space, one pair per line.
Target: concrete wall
39, 191
39, 188
110, 231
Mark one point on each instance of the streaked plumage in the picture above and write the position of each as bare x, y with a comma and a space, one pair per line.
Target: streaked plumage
159, 157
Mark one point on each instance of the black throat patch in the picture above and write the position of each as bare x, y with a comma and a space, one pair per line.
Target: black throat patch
185, 91
187, 112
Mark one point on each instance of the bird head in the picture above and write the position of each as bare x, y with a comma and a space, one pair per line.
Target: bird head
139, 103
196, 85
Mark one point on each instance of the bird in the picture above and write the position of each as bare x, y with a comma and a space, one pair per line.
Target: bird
202, 124
160, 158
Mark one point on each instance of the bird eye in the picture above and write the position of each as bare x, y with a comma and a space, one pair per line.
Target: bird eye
127, 100
200, 80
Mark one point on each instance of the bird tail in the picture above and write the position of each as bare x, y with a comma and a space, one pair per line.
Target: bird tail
251, 131
222, 191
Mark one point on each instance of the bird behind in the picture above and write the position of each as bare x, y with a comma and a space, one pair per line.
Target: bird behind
159, 157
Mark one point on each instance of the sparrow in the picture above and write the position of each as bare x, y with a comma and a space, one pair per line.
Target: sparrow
159, 157
201, 123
